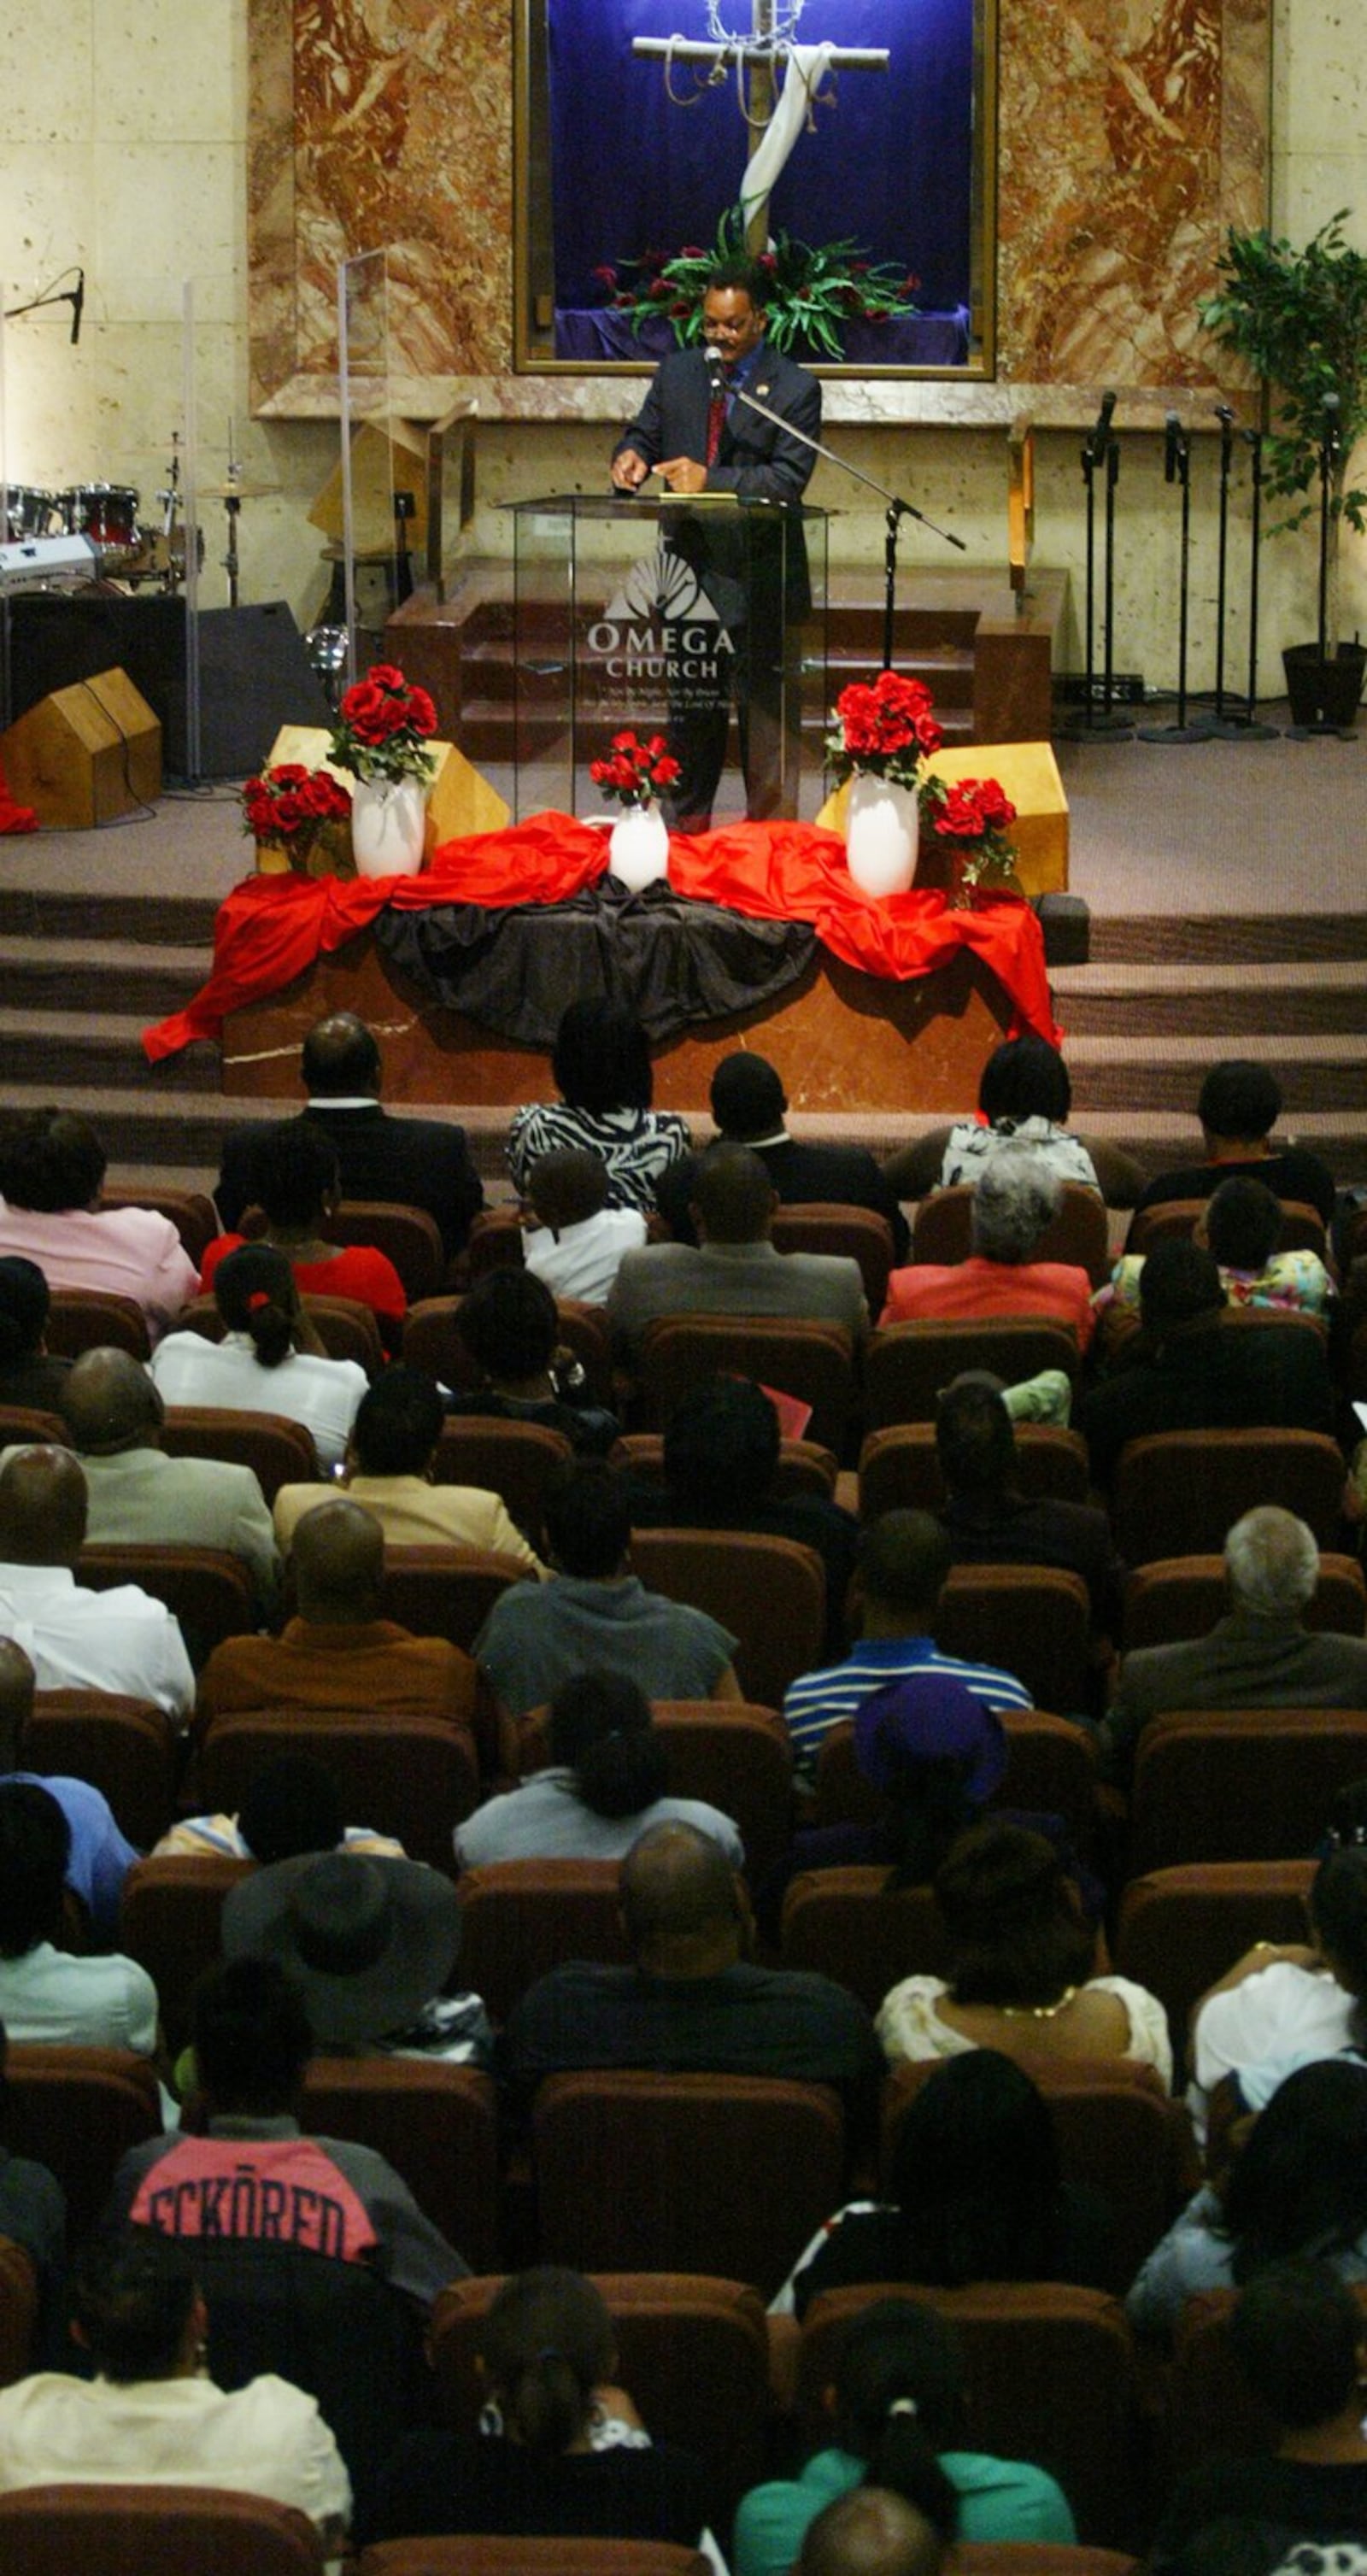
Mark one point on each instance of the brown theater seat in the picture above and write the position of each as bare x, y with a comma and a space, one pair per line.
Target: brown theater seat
154, 2531
412, 1777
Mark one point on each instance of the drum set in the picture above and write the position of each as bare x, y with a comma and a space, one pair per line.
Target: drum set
130, 553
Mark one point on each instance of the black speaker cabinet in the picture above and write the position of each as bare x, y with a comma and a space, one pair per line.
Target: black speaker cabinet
254, 671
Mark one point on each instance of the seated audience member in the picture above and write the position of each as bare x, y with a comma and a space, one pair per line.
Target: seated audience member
47, 1994
1024, 1098
1241, 1227
691, 2001
369, 1947
1238, 1107
749, 1108
974, 2194
735, 1268
52, 1168
601, 1063
151, 2416
251, 2172
721, 1457
1259, 1655
1021, 1962
606, 1782
100, 1857
389, 1468
872, 2532
30, 1374
1296, 2186
577, 1240
420, 1162
298, 1180
118, 1640
1296, 2333
337, 1652
510, 1327
561, 2451
595, 1616
902, 1568
899, 2410
135, 1494
1286, 2004
1183, 1373
33, 2217
1013, 1202
991, 1522
290, 1805
270, 1359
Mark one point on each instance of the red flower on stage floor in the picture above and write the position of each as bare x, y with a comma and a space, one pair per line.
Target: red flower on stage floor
290, 804
975, 815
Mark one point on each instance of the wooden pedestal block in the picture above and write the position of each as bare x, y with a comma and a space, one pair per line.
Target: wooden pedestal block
1028, 772
461, 801
86, 754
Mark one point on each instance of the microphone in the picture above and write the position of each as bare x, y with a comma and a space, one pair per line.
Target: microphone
77, 306
1101, 433
716, 379
1329, 409
1224, 415
1172, 429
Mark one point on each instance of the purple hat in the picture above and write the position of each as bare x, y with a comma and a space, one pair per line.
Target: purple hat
929, 1717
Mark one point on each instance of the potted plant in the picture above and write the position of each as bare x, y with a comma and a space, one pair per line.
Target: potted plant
383, 726
1298, 318
634, 774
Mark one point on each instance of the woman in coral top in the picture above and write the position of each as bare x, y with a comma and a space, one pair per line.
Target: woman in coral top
1013, 1201
299, 1187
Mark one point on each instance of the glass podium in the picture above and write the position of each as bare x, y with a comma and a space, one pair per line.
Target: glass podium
701, 618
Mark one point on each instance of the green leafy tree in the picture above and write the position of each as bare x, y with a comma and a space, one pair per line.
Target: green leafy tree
1298, 318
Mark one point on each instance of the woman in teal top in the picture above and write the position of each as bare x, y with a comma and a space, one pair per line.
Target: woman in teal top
900, 2407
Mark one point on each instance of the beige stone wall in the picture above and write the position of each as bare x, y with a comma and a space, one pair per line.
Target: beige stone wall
126, 148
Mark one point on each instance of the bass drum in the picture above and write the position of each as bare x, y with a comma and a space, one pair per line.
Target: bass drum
32, 512
107, 513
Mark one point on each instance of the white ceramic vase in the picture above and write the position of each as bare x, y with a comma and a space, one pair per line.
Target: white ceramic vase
882, 829
388, 822
638, 852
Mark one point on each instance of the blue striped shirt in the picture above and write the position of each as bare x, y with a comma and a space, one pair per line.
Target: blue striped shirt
821, 1700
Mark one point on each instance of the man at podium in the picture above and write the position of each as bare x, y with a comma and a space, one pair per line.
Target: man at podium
696, 432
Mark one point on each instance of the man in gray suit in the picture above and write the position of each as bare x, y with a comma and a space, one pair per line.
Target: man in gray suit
1260, 1655
734, 1268
138, 1495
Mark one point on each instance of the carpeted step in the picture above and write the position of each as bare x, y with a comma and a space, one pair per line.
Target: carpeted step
115, 976
1195, 941
1247, 1001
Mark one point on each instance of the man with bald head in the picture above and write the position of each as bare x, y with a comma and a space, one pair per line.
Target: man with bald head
337, 1653
691, 2001
734, 1268
76, 1639
871, 2532
136, 1495
421, 1162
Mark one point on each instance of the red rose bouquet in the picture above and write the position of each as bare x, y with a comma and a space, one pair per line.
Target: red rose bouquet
635, 771
291, 805
885, 730
974, 817
383, 722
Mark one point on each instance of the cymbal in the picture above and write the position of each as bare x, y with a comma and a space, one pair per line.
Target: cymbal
237, 491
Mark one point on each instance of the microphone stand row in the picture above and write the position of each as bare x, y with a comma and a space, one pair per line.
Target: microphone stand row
1231, 719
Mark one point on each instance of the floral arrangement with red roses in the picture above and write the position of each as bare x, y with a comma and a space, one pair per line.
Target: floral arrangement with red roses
291, 805
886, 729
635, 771
974, 817
383, 722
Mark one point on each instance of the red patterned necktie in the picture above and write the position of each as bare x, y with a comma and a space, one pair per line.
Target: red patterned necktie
716, 423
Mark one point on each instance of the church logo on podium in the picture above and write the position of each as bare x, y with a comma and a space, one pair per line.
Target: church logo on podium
659, 635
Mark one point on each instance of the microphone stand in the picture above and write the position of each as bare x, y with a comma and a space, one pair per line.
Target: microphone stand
897, 508
1241, 724
1179, 470
72, 295
1102, 446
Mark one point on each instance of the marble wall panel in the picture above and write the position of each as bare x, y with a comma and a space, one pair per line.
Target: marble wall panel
1132, 132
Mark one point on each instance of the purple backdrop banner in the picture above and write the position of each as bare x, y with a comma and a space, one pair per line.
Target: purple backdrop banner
890, 165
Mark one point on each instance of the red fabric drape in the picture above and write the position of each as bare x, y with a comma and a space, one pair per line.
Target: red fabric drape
14, 818
270, 928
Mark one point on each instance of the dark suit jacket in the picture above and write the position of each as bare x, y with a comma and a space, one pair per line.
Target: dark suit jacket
757, 460
1243, 1662
420, 1162
847, 1175
1210, 1379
